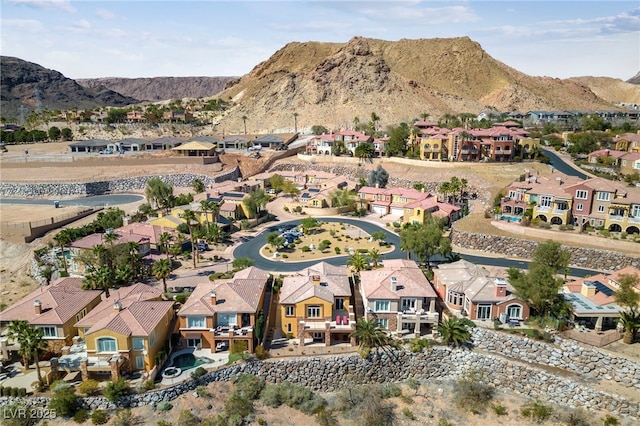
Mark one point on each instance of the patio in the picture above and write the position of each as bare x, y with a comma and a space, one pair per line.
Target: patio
218, 360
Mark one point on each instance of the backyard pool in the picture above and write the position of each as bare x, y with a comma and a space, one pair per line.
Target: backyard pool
189, 361
511, 218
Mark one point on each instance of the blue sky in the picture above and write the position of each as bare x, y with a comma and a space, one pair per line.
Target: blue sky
139, 38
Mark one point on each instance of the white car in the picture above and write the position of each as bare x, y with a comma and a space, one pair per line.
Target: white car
222, 346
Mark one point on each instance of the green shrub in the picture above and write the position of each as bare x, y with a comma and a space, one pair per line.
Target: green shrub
471, 393
89, 387
363, 250
605, 233
261, 352
239, 346
14, 392
180, 298
623, 235
186, 418
99, 417
202, 392
577, 418
305, 249
64, 401
81, 416
408, 413
294, 396
536, 411
238, 405
418, 345
22, 392
249, 386
499, 409
337, 250
164, 406
390, 391
198, 372
610, 420
114, 390
149, 385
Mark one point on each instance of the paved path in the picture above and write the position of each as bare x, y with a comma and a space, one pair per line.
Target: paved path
563, 166
93, 201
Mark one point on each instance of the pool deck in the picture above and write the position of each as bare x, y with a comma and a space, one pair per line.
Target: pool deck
219, 359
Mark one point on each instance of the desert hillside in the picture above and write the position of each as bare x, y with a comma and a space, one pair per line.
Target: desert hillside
160, 88
612, 89
331, 83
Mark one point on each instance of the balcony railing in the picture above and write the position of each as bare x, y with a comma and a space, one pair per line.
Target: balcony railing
542, 209
333, 325
633, 219
424, 317
559, 211
616, 218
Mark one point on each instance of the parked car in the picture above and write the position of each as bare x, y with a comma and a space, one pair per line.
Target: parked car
202, 246
106, 151
222, 346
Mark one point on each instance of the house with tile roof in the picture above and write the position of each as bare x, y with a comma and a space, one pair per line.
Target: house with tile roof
316, 304
399, 297
592, 300
630, 163
55, 309
126, 332
224, 311
469, 290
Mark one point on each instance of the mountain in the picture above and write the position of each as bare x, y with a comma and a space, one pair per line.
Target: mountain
331, 83
20, 79
612, 89
635, 79
160, 88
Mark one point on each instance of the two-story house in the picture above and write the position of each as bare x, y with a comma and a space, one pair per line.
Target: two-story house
82, 248
54, 309
224, 312
469, 290
316, 303
399, 297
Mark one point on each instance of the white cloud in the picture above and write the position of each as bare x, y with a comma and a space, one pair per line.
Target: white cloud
105, 14
46, 4
29, 25
83, 23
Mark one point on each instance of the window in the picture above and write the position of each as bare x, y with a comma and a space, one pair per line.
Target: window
579, 207
228, 318
140, 363
600, 209
383, 322
289, 310
582, 194
313, 311
196, 322
545, 201
514, 311
194, 343
49, 331
603, 196
382, 305
81, 314
484, 312
635, 210
339, 305
289, 327
408, 303
107, 344
455, 298
138, 343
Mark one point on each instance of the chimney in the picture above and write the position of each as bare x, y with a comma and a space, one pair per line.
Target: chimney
377, 185
316, 279
214, 297
500, 286
527, 174
117, 306
394, 283
37, 305
588, 289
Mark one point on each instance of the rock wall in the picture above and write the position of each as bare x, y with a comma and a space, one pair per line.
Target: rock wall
591, 258
101, 187
525, 374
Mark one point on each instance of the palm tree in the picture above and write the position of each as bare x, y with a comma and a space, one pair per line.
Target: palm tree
164, 240
133, 254
295, 122
47, 273
63, 238
424, 116
370, 335
204, 206
375, 256
30, 340
189, 216
244, 121
357, 262
454, 331
124, 274
101, 254
162, 270
356, 123
631, 322
445, 189
102, 279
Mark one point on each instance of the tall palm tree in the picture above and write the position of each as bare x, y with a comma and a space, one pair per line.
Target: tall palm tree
357, 262
102, 279
162, 270
124, 274
164, 240
190, 217
204, 206
445, 189
133, 255
369, 335
454, 331
374, 255
424, 116
47, 273
101, 254
295, 122
30, 340
244, 121
356, 123
63, 238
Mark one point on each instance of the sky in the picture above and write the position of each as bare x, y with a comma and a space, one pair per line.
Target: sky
139, 38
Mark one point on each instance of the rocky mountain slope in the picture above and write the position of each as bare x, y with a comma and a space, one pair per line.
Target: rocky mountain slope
635, 79
19, 80
160, 88
331, 83
612, 89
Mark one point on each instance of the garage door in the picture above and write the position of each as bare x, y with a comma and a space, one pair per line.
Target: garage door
397, 211
380, 209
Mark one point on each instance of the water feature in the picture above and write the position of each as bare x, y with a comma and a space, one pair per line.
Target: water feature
511, 218
188, 361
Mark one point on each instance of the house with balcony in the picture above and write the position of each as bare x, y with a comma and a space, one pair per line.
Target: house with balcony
223, 313
399, 297
630, 163
593, 304
469, 290
177, 116
126, 332
324, 144
385, 201
54, 309
419, 211
316, 304
433, 146
83, 248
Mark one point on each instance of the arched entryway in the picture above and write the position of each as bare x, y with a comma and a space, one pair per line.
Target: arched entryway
556, 221
615, 228
633, 230
542, 217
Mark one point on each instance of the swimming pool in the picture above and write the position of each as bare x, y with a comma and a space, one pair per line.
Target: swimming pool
511, 218
189, 361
